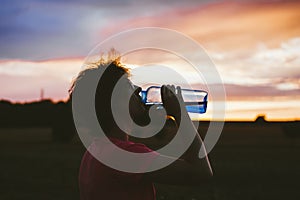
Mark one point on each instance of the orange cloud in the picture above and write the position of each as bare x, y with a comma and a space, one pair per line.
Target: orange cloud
228, 25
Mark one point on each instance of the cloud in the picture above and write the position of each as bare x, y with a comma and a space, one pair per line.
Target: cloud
26, 88
61, 68
24, 79
255, 46
278, 68
260, 91
227, 25
37, 30
70, 24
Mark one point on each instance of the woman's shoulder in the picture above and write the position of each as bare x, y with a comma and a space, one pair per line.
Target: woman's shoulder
131, 146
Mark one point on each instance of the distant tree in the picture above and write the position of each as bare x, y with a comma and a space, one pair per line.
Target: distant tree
43, 113
261, 119
63, 128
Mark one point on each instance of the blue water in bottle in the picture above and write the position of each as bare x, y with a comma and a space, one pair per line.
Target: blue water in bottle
195, 100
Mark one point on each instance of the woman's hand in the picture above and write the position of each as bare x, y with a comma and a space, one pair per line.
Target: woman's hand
172, 101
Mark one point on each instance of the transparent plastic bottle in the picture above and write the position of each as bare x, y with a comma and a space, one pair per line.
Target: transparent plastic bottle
195, 100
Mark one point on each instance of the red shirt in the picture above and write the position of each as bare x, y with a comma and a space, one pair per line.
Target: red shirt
98, 181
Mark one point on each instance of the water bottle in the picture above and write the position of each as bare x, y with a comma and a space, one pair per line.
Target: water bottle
195, 100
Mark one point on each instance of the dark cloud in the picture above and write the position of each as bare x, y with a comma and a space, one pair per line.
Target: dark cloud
37, 30
42, 29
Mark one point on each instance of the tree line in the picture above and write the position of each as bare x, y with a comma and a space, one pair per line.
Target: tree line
43, 113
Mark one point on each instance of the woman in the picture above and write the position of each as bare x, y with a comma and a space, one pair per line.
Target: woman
98, 181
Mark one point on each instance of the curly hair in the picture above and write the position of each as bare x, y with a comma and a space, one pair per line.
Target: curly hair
112, 70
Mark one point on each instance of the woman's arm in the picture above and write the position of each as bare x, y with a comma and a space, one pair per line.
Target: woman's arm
189, 169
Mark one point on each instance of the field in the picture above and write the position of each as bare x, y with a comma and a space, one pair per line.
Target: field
250, 162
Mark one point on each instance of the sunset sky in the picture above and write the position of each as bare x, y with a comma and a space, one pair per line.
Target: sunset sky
255, 46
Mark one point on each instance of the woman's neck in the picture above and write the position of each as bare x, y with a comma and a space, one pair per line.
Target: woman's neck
118, 134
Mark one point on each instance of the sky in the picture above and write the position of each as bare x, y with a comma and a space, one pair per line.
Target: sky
254, 45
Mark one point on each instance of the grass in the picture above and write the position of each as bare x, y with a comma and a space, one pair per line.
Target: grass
249, 163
